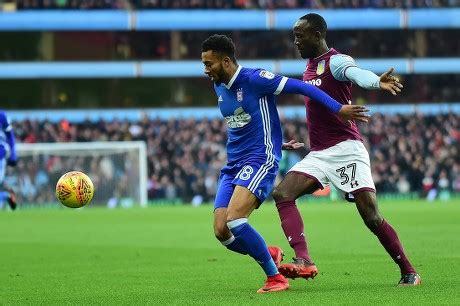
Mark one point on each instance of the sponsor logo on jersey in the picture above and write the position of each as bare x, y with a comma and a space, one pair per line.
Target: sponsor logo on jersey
314, 82
239, 118
267, 74
220, 99
239, 94
320, 67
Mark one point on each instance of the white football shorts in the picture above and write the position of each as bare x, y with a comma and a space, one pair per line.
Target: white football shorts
346, 166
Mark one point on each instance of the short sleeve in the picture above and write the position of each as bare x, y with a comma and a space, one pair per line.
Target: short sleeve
338, 64
265, 82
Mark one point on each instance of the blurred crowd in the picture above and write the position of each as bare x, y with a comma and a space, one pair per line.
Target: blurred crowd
409, 153
292, 4
280, 44
227, 4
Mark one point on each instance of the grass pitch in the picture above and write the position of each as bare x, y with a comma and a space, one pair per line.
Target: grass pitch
168, 255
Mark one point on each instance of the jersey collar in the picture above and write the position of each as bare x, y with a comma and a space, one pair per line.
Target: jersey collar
316, 59
233, 77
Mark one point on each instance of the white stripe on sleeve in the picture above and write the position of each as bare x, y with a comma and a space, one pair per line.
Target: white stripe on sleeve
281, 86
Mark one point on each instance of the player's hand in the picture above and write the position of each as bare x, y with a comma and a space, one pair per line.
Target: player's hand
292, 145
12, 162
354, 112
390, 83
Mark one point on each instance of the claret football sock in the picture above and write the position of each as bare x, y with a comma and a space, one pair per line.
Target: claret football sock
292, 224
253, 244
390, 241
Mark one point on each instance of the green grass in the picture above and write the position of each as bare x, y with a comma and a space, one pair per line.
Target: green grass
168, 255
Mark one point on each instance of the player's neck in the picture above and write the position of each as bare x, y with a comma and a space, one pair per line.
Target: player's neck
230, 73
322, 49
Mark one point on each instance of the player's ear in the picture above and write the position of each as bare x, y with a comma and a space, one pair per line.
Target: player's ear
226, 61
318, 36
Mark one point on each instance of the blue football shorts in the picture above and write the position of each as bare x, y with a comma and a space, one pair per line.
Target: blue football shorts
257, 176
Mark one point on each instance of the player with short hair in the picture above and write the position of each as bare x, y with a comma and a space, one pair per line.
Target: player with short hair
246, 98
7, 144
338, 155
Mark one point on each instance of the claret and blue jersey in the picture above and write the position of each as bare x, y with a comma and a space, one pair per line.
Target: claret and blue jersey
254, 143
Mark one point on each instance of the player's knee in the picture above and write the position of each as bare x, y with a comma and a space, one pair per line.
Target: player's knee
373, 222
222, 232
279, 195
234, 214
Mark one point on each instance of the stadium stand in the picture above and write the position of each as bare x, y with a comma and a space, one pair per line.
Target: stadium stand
228, 4
136, 45
413, 153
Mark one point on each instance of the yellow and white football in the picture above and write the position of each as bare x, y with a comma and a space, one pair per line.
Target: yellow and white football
74, 189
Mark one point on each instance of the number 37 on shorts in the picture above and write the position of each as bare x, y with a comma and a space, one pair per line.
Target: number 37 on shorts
346, 166
352, 176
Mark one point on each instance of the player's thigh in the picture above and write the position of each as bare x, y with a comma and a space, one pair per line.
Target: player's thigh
304, 177
294, 185
257, 176
242, 203
224, 191
347, 167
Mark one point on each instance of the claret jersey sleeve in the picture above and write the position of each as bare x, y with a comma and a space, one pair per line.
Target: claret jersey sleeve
339, 63
344, 68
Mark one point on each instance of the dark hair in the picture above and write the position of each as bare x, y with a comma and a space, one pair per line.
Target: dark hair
221, 44
316, 22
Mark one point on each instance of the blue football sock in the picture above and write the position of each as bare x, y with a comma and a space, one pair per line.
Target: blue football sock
235, 245
253, 244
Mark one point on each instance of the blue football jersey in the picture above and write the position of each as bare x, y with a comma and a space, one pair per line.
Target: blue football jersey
5, 127
248, 105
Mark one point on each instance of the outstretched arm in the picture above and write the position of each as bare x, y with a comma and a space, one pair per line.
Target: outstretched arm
344, 68
346, 112
390, 83
265, 82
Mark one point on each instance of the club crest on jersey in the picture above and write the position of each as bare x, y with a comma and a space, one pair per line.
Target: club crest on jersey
320, 67
267, 74
239, 94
